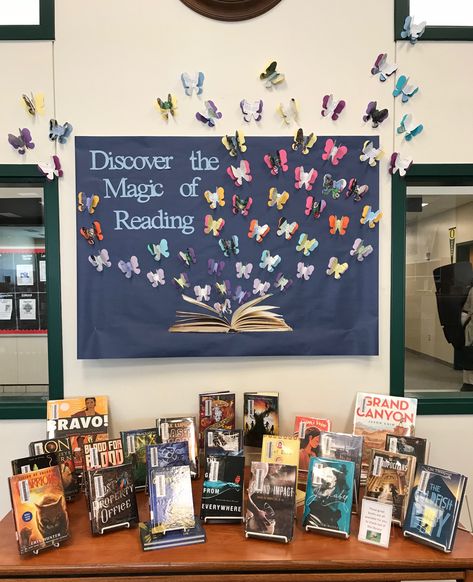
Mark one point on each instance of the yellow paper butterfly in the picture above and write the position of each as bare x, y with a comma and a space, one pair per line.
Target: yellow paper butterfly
277, 199
335, 268
306, 245
34, 104
168, 107
213, 226
215, 198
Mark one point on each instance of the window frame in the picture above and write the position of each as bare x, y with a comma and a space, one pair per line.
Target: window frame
45, 30
459, 33
27, 407
418, 175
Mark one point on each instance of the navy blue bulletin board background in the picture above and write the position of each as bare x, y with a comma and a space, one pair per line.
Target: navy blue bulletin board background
128, 318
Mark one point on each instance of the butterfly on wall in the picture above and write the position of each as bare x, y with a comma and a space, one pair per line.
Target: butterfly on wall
306, 245
241, 205
21, 142
286, 229
270, 75
333, 152
382, 68
335, 268
370, 154
193, 83
128, 268
409, 127
243, 270
314, 207
276, 162
93, 233
338, 224
159, 250
240, 174
360, 250
260, 287
223, 288
229, 246
257, 231
215, 198
211, 114
282, 283
268, 261
213, 226
51, 169
403, 88
241, 295
88, 203
331, 107
370, 217
34, 104
356, 190
188, 257
376, 116
215, 267
224, 307
202, 293
235, 144
181, 282
303, 143
411, 31
156, 277
167, 108
59, 133
100, 261
304, 271
251, 109
398, 164
277, 199
305, 179
289, 112
333, 187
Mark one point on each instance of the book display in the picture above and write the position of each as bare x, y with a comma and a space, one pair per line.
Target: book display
222, 489
178, 429
134, 447
216, 411
221, 442
261, 416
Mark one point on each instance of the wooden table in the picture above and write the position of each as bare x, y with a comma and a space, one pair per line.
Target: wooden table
228, 556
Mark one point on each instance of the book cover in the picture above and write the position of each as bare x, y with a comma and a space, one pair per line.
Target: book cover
34, 463
408, 445
260, 416
219, 442
176, 429
102, 454
308, 429
222, 489
283, 450
390, 477
216, 411
271, 501
134, 449
329, 496
434, 507
112, 498
167, 454
62, 447
78, 442
376, 415
152, 541
171, 502
39, 509
81, 415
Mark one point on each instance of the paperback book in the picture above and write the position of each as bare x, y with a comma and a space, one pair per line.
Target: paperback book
406, 445
219, 442
100, 455
39, 509
283, 450
178, 429
152, 541
329, 496
134, 448
222, 489
261, 416
216, 411
271, 501
434, 507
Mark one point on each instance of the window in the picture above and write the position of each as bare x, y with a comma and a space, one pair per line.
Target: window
432, 287
27, 20
30, 302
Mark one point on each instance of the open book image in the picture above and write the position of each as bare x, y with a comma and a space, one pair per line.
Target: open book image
248, 317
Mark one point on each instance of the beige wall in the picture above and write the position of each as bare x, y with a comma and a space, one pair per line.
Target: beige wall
113, 58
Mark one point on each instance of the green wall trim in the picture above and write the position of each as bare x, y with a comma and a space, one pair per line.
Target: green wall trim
45, 30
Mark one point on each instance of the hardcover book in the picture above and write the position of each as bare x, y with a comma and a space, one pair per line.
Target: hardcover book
271, 501
112, 498
34, 463
308, 429
39, 509
216, 411
178, 429
222, 489
329, 495
134, 448
167, 454
283, 450
100, 455
415, 446
376, 415
390, 478
434, 507
171, 502
219, 442
260, 416
152, 541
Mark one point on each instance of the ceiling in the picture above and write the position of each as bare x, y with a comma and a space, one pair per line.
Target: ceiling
439, 198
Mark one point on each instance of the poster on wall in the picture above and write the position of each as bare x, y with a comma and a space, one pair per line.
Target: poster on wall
185, 250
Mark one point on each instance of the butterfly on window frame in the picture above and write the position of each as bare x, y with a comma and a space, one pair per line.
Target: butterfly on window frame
181, 282
215, 267
338, 224
332, 108
128, 268
276, 162
241, 173
60, 133
52, 168
188, 257
277, 199
304, 271
168, 107
100, 261
286, 229
335, 268
235, 144
306, 245
268, 261
213, 226
360, 250
398, 164
402, 88
159, 250
156, 277
356, 190
333, 152
409, 127
211, 114
270, 75
257, 231
382, 68
216, 198
241, 205
243, 270
223, 288
370, 154
376, 116
260, 287
305, 179
302, 142
314, 207
282, 283
93, 233
251, 110
229, 246
411, 31
290, 112
370, 217
88, 203
202, 293
333, 187
21, 142
193, 83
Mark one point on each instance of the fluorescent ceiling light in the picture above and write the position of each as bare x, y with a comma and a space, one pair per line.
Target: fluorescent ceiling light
424, 204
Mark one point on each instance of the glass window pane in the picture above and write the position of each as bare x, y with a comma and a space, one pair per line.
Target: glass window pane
439, 292
23, 312
442, 13
19, 12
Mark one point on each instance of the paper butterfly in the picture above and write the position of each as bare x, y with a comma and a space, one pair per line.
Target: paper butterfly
332, 108
213, 226
229, 246
211, 114
360, 251
215, 267
241, 173
304, 271
382, 67
370, 154
34, 104
377, 116
402, 88
188, 257
369, 217
223, 288
333, 152
314, 207
202, 293
100, 261
21, 142
333, 187
305, 179
357, 190
129, 267
306, 245
399, 164
277, 199
215, 198
289, 113
181, 282
240, 295
258, 232
92, 233
243, 270
193, 83
58, 132
235, 143
408, 127
412, 31
260, 287
268, 261
156, 277
167, 108
338, 224
88, 203
223, 308
241, 205
158, 251
51, 169
282, 283
286, 228
271, 76
335, 268
276, 162
253, 110
303, 143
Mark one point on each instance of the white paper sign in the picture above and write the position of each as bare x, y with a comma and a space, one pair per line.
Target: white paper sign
24, 275
42, 271
27, 309
6, 308
375, 522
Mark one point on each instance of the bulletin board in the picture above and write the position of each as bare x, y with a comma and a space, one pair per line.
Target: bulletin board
152, 189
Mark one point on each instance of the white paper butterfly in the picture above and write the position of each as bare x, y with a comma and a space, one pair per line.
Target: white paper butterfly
193, 83
223, 308
268, 261
100, 261
304, 271
260, 287
243, 270
398, 164
242, 172
156, 277
370, 154
289, 112
253, 110
202, 293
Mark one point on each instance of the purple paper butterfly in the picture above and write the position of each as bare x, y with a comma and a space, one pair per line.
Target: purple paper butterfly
215, 267
21, 142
